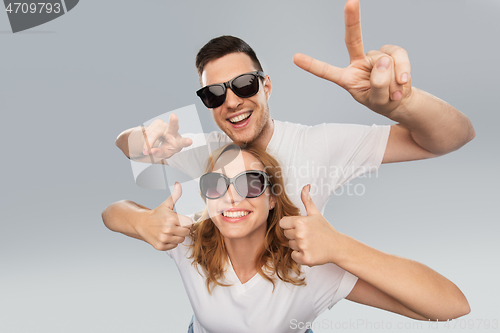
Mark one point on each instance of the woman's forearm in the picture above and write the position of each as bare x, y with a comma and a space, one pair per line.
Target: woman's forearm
122, 217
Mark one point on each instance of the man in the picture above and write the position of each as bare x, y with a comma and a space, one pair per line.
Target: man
381, 80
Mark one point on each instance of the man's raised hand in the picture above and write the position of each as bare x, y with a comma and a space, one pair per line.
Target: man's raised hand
163, 228
161, 139
379, 80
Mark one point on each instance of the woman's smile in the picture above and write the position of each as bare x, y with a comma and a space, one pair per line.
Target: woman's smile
235, 215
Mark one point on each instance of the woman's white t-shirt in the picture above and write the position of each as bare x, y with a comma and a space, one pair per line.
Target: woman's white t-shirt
253, 306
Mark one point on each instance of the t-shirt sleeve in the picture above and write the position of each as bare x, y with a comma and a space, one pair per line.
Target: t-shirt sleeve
351, 150
329, 284
346, 284
179, 252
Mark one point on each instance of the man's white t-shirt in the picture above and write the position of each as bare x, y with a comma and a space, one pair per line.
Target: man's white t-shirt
253, 306
326, 156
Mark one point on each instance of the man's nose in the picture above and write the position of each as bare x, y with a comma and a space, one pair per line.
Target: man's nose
232, 100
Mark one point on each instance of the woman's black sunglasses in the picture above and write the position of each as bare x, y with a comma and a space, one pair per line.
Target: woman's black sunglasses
248, 184
244, 85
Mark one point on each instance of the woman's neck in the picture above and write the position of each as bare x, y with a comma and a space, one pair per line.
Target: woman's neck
243, 254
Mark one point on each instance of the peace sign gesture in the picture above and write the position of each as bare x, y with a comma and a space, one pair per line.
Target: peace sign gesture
379, 80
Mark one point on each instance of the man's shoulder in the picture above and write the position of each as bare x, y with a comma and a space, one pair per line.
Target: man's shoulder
289, 129
285, 127
289, 125
202, 138
281, 123
322, 137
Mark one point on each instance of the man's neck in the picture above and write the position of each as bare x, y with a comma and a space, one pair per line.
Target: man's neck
265, 136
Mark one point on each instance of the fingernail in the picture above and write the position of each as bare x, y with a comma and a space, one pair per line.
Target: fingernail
309, 191
397, 96
383, 63
145, 152
404, 77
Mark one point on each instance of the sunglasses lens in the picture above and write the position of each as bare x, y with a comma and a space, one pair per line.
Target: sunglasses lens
246, 85
251, 184
213, 96
213, 185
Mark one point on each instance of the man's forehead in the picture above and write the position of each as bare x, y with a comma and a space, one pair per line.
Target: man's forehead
227, 67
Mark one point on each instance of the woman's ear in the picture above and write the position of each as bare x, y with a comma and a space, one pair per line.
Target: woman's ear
272, 202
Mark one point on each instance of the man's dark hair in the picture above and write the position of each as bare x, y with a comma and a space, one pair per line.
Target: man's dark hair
220, 46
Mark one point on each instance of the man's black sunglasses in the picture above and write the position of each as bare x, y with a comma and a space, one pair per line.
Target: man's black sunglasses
244, 85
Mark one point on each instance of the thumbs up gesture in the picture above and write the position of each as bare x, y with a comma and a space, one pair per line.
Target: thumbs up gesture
163, 228
310, 237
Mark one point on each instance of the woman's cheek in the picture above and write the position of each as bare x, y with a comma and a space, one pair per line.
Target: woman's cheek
212, 209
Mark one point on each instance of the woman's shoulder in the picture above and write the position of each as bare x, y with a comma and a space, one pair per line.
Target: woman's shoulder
181, 250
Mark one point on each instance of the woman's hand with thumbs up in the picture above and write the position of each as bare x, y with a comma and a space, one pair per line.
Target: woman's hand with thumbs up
311, 237
161, 227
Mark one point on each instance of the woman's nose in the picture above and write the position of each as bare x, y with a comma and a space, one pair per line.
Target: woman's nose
232, 196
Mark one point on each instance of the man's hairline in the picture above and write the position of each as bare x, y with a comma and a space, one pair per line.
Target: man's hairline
200, 75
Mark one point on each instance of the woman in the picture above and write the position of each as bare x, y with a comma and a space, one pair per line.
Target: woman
253, 265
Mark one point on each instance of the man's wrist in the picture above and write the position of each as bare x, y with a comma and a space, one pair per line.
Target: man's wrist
403, 113
338, 250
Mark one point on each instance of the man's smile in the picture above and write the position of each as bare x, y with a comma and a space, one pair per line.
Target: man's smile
240, 117
240, 120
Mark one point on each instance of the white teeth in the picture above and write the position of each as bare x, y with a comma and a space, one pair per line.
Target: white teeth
233, 214
240, 117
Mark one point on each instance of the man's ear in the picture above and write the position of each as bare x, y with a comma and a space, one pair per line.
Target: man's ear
268, 87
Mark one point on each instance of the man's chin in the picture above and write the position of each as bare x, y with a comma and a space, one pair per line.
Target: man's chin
241, 138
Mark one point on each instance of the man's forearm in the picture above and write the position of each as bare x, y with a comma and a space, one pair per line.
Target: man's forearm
434, 124
122, 216
125, 141
414, 285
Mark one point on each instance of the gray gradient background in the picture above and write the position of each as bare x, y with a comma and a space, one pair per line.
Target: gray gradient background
68, 87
